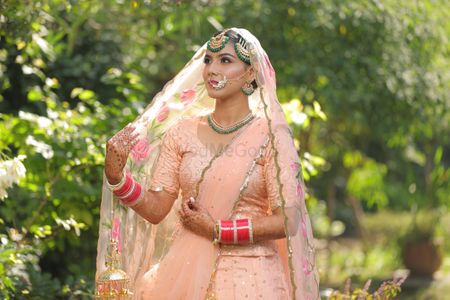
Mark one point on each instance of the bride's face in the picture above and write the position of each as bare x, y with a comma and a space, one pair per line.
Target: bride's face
225, 63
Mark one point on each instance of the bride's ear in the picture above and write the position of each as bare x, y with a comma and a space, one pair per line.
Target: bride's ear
251, 76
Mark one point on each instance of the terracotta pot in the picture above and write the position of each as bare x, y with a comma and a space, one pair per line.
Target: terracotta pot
422, 258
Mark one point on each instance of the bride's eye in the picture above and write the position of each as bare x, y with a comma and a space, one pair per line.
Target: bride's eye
225, 60
206, 60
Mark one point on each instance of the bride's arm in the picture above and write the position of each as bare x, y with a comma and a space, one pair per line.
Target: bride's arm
154, 206
272, 227
197, 219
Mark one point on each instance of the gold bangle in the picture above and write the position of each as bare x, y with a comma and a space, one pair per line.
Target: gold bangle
216, 233
250, 229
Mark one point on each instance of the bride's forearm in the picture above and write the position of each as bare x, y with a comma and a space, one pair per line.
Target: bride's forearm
272, 227
268, 228
154, 206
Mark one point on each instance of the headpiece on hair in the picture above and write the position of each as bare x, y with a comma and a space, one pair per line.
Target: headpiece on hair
242, 48
218, 42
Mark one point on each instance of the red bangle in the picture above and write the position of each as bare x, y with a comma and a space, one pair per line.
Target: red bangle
235, 231
134, 194
227, 232
243, 231
126, 186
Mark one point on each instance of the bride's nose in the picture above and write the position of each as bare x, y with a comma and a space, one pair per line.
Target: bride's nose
213, 68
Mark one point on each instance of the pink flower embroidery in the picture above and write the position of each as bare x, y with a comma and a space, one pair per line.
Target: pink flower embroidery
163, 113
306, 269
294, 167
299, 190
187, 96
141, 150
116, 231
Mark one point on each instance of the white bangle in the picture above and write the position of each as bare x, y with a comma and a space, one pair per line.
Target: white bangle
133, 187
117, 186
135, 202
250, 229
235, 240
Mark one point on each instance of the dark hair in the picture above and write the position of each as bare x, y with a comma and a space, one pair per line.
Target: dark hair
235, 37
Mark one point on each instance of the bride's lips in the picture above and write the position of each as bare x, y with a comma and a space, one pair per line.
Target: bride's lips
212, 82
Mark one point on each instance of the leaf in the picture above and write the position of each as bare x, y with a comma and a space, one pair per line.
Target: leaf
35, 94
86, 95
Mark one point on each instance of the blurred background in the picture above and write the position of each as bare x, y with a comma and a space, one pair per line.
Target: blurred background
365, 85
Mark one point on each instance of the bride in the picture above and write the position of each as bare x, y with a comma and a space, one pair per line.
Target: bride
210, 185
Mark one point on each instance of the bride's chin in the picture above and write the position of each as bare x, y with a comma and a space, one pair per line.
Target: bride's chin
213, 93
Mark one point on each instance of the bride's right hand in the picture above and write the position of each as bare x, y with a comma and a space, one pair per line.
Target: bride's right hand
117, 150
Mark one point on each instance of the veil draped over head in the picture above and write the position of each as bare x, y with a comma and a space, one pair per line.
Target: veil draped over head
143, 245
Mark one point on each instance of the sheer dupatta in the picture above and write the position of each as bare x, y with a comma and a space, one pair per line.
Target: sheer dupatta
153, 253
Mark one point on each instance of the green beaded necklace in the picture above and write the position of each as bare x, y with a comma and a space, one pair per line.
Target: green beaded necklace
230, 129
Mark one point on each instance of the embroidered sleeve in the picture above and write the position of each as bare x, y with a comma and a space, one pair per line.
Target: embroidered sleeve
289, 168
166, 171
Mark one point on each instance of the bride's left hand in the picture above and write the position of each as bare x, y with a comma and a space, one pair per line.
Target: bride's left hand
196, 218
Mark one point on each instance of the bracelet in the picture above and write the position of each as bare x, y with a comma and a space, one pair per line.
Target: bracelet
215, 234
130, 192
134, 194
131, 186
227, 232
126, 187
242, 231
233, 232
135, 197
250, 225
117, 185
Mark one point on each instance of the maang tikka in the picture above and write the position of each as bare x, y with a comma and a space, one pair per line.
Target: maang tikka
218, 42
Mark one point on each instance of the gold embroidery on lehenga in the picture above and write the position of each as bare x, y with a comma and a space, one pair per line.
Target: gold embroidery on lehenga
209, 292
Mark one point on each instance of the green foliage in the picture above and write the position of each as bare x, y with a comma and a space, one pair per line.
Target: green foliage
323, 226
424, 226
60, 192
366, 181
386, 234
387, 290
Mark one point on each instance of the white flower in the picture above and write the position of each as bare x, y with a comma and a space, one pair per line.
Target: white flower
41, 147
11, 171
298, 117
42, 122
3, 193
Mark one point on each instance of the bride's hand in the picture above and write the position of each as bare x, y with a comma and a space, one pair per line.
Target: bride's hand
117, 150
196, 218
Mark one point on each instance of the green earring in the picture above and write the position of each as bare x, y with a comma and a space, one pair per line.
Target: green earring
248, 89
